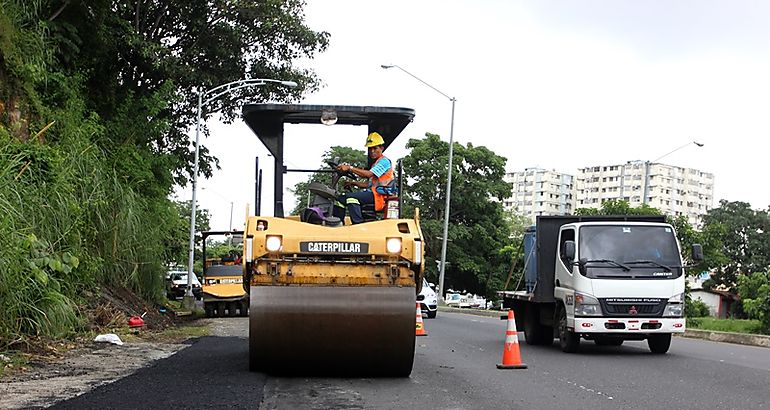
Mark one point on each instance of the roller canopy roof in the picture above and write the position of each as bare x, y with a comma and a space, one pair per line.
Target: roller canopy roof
266, 120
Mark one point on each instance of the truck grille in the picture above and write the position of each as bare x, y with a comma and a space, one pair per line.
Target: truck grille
633, 307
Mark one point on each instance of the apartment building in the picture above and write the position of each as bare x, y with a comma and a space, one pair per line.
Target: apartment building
540, 192
673, 190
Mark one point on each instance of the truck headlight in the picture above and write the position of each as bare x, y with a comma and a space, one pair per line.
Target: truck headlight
393, 245
586, 305
273, 243
674, 307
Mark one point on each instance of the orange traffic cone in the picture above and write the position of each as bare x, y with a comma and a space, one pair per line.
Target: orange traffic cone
420, 327
511, 354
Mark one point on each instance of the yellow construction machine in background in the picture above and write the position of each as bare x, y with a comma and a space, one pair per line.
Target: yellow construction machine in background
223, 290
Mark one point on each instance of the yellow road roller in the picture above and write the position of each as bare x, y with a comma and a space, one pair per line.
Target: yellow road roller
223, 293
328, 297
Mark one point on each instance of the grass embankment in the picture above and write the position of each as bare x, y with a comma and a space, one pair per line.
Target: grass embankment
725, 325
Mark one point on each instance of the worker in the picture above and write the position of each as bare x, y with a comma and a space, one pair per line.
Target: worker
381, 182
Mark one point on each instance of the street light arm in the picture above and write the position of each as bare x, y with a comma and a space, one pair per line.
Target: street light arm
229, 87
385, 66
647, 168
677, 149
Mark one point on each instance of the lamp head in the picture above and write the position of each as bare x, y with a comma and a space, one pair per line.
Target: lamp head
386, 66
698, 143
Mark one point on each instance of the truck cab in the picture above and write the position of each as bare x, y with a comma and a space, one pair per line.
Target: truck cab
603, 278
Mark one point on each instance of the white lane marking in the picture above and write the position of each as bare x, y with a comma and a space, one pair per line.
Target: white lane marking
584, 388
459, 342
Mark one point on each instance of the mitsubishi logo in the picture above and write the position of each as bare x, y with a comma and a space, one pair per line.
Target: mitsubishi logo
632, 311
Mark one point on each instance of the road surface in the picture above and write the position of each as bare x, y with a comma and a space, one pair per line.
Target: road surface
455, 369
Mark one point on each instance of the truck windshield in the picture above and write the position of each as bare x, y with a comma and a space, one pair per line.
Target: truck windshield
648, 252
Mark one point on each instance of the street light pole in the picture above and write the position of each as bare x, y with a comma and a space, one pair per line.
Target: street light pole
448, 181
647, 165
203, 100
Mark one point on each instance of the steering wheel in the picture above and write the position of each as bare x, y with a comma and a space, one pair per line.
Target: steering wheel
334, 165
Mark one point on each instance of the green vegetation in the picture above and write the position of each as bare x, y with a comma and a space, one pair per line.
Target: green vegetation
725, 325
479, 233
96, 103
755, 296
695, 308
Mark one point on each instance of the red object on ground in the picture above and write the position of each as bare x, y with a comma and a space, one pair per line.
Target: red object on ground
135, 321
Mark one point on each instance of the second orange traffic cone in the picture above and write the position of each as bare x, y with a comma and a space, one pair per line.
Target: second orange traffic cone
420, 326
511, 354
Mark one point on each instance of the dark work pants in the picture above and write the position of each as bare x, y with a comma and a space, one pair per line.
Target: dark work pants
353, 202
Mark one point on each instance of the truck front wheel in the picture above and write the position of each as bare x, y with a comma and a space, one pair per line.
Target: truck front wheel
659, 343
569, 341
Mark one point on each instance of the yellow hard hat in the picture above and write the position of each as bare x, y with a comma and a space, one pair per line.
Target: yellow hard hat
374, 139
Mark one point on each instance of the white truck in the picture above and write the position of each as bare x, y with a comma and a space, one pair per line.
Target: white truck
601, 278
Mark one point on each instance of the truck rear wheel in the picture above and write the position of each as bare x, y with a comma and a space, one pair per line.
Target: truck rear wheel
569, 341
659, 343
534, 332
209, 308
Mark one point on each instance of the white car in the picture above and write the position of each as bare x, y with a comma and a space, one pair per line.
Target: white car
428, 300
478, 302
176, 285
457, 300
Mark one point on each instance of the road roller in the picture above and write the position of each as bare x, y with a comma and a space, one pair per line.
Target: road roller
223, 293
328, 297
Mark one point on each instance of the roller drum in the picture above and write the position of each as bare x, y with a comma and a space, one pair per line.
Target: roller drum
334, 331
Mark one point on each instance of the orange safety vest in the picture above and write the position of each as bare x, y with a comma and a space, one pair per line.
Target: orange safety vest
385, 180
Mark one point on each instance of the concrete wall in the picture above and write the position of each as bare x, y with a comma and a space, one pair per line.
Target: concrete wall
711, 300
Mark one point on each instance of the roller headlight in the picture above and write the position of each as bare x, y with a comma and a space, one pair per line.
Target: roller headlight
586, 305
273, 243
394, 245
674, 307
249, 249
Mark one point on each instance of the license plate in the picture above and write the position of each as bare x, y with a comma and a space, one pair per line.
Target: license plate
333, 247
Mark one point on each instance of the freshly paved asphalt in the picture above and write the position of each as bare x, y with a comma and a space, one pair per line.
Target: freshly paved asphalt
212, 373
455, 369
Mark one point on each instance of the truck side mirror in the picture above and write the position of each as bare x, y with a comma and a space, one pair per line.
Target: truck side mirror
697, 252
568, 251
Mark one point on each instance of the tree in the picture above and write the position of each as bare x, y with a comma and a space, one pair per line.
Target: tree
754, 290
514, 252
618, 207
153, 57
477, 228
741, 237
177, 245
336, 154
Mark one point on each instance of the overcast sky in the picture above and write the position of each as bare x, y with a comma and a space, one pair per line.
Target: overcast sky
550, 84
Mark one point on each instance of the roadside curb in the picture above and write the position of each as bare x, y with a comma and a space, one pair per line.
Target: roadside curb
475, 312
714, 336
728, 337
